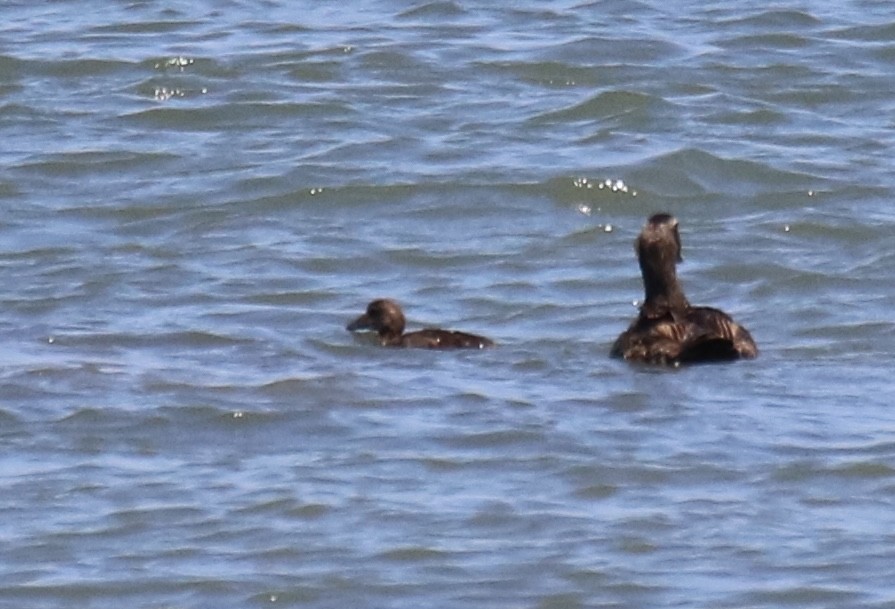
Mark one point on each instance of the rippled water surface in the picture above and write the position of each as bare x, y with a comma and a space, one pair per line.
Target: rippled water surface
197, 196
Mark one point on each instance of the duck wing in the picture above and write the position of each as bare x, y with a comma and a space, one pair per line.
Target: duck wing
653, 340
714, 336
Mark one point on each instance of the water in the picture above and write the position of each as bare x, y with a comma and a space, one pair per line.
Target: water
198, 196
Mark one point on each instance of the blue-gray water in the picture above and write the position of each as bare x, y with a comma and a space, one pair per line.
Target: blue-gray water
197, 196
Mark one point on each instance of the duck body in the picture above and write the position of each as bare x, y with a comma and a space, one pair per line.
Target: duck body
385, 317
668, 329
697, 334
434, 338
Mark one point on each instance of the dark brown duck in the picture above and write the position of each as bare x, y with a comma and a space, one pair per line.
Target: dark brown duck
668, 329
385, 317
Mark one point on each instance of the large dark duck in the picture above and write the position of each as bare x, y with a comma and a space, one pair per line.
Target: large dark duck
669, 330
385, 317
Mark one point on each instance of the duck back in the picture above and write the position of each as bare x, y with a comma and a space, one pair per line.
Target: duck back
433, 338
694, 335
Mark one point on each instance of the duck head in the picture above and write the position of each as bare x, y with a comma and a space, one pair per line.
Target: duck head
384, 317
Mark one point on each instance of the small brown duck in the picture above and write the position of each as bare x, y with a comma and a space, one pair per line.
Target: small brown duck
669, 330
385, 317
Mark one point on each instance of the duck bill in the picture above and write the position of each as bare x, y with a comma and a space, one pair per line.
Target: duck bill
361, 323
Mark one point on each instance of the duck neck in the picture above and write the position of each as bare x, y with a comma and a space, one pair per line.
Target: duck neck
389, 337
662, 290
